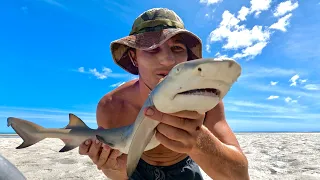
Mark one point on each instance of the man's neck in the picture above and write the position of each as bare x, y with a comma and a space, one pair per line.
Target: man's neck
144, 91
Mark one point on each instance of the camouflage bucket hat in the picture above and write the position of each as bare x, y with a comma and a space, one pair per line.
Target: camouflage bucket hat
152, 28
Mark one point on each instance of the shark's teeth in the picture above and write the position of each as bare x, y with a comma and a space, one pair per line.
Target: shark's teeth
202, 92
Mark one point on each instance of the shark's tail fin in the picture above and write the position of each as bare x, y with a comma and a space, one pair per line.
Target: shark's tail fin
30, 133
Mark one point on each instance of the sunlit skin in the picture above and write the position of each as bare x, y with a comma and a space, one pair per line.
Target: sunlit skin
208, 140
153, 63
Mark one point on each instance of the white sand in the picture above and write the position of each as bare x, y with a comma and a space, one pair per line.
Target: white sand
294, 156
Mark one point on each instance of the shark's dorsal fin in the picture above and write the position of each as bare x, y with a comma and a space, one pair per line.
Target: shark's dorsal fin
75, 122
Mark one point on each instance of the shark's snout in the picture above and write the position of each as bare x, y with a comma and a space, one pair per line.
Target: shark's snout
214, 69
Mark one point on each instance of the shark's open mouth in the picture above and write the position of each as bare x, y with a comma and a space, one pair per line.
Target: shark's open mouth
202, 92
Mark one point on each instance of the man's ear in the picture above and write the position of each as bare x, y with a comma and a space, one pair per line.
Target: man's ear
132, 55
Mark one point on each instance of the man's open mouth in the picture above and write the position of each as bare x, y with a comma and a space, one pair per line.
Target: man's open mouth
162, 74
202, 92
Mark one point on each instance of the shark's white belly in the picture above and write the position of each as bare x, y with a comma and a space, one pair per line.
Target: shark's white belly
147, 127
152, 144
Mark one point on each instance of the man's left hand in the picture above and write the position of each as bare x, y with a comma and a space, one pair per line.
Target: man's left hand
177, 131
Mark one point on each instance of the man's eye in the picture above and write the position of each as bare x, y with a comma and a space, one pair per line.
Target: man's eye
177, 48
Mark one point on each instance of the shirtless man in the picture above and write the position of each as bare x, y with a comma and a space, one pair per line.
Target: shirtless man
188, 140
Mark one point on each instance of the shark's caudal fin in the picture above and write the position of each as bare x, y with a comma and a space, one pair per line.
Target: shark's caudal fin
74, 123
28, 131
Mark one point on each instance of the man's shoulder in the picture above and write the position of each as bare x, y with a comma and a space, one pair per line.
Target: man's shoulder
112, 104
119, 94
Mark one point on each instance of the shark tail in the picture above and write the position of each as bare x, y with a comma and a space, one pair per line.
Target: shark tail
30, 133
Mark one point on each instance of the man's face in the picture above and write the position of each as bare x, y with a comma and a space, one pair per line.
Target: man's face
156, 63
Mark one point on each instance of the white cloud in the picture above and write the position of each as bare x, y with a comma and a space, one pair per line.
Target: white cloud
285, 7
218, 55
294, 79
209, 2
55, 3
243, 12
208, 48
273, 97
312, 87
81, 69
251, 51
132, 77
272, 83
251, 41
100, 75
282, 23
117, 84
290, 100
302, 81
258, 6
103, 74
280, 90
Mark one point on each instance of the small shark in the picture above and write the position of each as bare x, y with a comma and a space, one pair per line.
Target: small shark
197, 85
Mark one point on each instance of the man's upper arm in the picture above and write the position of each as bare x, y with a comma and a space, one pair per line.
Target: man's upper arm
107, 112
216, 122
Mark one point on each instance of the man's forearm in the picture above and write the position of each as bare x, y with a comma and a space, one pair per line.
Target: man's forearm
218, 160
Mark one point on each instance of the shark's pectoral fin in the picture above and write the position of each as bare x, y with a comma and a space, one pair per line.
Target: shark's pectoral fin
68, 147
101, 139
140, 140
136, 149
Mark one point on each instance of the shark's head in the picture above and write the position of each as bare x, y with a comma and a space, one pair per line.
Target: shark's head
196, 85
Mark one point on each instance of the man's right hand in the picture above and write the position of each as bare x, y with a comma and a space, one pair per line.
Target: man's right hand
110, 161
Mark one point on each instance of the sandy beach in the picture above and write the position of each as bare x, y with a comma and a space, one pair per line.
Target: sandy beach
292, 156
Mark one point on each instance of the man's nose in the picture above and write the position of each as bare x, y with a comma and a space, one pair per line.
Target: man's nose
167, 57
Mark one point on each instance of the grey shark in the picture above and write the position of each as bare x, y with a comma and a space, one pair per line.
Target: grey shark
197, 85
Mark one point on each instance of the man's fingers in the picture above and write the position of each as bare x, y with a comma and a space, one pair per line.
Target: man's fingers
94, 150
114, 154
189, 125
103, 158
112, 162
84, 147
173, 133
188, 115
182, 114
170, 144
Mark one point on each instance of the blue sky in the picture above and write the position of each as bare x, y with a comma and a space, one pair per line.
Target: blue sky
55, 57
